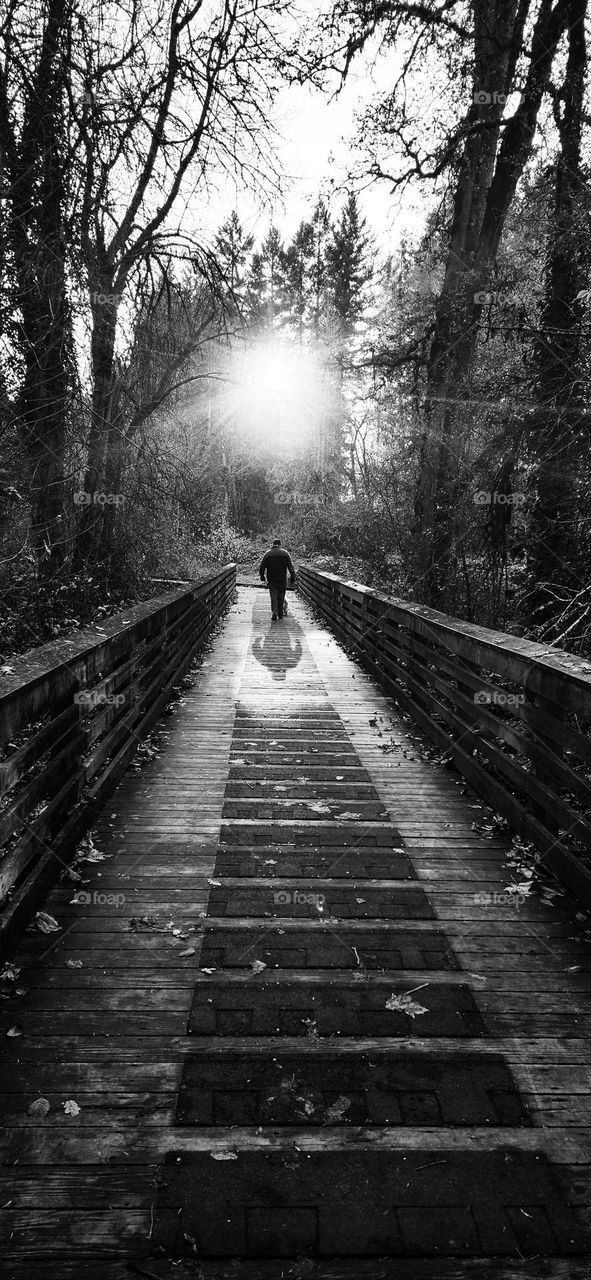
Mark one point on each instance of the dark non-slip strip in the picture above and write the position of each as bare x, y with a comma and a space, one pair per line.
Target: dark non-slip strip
342, 862
315, 770
333, 902
301, 810
278, 946
303, 788
311, 834
260, 1008
290, 1203
324, 1090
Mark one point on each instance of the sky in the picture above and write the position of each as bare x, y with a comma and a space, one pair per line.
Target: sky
317, 152
315, 156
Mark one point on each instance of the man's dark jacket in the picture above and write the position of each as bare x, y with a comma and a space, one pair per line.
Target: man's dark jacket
277, 562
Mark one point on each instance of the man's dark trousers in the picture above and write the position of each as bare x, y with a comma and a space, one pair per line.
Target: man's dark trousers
277, 598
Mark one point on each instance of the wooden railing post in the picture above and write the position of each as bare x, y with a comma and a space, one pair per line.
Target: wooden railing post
543, 769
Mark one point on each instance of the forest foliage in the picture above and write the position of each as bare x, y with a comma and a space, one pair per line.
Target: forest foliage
410, 411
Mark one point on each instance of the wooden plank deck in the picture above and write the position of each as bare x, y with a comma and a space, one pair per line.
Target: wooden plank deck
216, 1005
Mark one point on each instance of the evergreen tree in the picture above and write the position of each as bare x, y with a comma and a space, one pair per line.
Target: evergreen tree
255, 291
321, 229
267, 288
299, 261
349, 268
233, 249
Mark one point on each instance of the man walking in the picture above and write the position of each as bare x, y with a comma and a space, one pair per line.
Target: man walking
277, 564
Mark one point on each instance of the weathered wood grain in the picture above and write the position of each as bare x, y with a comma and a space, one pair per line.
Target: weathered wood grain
112, 1032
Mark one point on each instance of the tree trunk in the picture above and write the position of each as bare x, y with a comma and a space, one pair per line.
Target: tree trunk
485, 189
43, 428
37, 234
559, 390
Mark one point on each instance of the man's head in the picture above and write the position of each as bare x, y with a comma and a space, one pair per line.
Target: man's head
276, 542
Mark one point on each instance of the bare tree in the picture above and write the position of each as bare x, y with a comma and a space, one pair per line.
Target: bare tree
559, 430
35, 196
507, 47
193, 83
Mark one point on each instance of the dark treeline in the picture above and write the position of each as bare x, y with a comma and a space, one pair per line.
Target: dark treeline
412, 410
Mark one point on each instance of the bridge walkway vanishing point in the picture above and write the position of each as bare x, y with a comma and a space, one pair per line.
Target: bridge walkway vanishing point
306, 1030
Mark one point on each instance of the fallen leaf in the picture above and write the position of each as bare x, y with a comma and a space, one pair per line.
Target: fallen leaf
39, 1108
46, 923
208, 970
348, 815
147, 922
74, 964
257, 966
223, 1155
524, 888
71, 1108
10, 972
337, 1109
14, 1031
404, 1004
189, 951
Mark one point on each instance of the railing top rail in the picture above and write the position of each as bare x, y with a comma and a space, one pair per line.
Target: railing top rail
522, 660
50, 659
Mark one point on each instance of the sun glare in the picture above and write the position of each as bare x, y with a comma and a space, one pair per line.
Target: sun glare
277, 394
267, 373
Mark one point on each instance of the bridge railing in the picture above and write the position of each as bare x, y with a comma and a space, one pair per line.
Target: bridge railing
514, 716
72, 714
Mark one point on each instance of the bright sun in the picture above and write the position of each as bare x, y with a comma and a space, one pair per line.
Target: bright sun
276, 393
267, 372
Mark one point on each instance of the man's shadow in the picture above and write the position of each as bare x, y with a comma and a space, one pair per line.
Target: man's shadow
274, 649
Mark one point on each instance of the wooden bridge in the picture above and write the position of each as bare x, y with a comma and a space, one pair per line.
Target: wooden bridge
299, 1006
